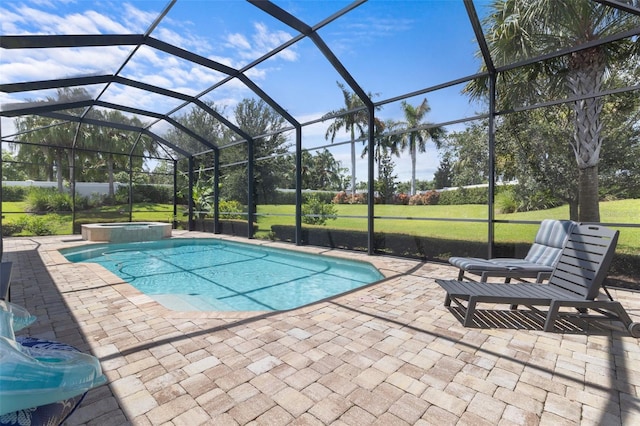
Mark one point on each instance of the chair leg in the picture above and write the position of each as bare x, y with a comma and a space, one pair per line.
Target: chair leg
460, 274
552, 314
471, 309
447, 300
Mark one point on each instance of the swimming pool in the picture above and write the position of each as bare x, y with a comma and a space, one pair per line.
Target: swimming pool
215, 275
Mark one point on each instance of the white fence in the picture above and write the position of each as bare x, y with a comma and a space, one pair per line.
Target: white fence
84, 189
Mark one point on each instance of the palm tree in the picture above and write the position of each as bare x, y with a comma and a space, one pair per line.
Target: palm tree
387, 141
327, 170
521, 30
351, 121
416, 136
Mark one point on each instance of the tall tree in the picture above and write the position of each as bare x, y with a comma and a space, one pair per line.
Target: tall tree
203, 124
527, 151
55, 137
115, 145
352, 117
519, 30
442, 178
387, 141
468, 154
416, 134
321, 171
259, 120
208, 127
386, 183
11, 170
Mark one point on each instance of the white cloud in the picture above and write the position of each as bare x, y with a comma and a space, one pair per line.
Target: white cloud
262, 41
10, 21
130, 96
148, 65
238, 41
184, 40
137, 20
106, 24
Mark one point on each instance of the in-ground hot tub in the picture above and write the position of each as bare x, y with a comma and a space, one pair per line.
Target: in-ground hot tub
125, 232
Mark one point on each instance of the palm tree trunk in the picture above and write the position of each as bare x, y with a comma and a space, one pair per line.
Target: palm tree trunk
413, 169
573, 211
353, 167
72, 180
110, 176
588, 187
585, 78
59, 170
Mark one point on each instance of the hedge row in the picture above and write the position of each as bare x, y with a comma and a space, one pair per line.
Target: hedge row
14, 193
227, 227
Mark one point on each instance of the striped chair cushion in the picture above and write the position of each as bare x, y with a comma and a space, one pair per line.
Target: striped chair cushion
549, 241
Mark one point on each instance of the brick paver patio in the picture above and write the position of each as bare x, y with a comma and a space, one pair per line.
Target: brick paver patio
388, 354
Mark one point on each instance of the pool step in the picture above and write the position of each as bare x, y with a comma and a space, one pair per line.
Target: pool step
187, 302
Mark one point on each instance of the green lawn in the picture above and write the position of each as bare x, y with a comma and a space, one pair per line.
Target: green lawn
623, 211
389, 219
61, 222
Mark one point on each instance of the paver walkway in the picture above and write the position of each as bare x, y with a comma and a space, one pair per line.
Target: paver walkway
388, 354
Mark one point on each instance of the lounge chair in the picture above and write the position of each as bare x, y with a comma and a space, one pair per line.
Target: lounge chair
538, 263
575, 282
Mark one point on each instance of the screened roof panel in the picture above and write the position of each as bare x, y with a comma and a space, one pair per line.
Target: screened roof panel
132, 97
444, 106
566, 26
220, 35
391, 49
18, 65
228, 95
312, 12
46, 132
120, 116
85, 17
318, 88
49, 97
398, 47
170, 72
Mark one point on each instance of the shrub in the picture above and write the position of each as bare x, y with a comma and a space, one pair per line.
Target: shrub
324, 196
415, 200
530, 200
230, 207
47, 200
340, 198
40, 225
316, 212
14, 193
505, 202
143, 193
12, 228
32, 225
429, 198
464, 196
401, 199
344, 198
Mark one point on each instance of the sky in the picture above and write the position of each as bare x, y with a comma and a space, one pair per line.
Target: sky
391, 48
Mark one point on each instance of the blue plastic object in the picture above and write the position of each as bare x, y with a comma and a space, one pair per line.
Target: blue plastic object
35, 376
20, 317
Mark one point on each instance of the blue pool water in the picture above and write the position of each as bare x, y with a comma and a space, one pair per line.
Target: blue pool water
215, 275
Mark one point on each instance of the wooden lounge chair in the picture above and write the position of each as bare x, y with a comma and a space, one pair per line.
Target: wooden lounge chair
538, 263
575, 282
